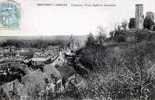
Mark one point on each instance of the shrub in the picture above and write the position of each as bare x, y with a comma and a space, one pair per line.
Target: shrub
121, 74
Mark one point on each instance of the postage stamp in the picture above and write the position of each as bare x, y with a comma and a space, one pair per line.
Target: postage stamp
10, 15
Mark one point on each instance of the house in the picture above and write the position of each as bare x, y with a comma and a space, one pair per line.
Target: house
68, 75
38, 61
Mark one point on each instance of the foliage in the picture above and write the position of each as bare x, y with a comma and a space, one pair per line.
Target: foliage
101, 37
148, 23
98, 40
120, 72
124, 25
119, 36
90, 40
153, 28
132, 23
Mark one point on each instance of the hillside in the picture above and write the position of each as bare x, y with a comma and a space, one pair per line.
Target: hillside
120, 71
116, 68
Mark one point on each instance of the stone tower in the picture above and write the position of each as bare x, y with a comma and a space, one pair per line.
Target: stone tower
139, 16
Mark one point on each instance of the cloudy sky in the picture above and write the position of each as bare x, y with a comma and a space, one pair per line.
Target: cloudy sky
52, 20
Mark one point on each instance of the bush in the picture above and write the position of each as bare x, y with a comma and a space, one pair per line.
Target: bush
90, 40
148, 23
121, 74
132, 23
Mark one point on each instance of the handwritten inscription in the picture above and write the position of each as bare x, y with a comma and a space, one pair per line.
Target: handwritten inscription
78, 3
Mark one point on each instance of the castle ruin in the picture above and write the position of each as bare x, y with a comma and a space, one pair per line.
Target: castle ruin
139, 16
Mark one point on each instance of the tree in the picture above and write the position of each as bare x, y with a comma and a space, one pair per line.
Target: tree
72, 43
90, 40
124, 25
153, 28
135, 60
148, 23
132, 23
101, 35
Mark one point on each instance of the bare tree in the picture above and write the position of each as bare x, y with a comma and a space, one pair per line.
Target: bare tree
124, 25
101, 35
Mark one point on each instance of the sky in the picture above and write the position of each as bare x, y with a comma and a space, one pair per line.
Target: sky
55, 20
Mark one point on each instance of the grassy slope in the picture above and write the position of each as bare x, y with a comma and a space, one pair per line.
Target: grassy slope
110, 62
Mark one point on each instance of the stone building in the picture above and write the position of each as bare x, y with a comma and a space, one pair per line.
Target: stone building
139, 16
150, 15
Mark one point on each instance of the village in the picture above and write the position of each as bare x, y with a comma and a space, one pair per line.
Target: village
51, 70
118, 67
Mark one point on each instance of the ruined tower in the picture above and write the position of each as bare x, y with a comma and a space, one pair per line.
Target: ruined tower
139, 16
150, 15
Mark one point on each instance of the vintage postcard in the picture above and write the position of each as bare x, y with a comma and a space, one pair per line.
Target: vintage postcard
77, 50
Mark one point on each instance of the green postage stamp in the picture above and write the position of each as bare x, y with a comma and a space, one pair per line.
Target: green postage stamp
10, 15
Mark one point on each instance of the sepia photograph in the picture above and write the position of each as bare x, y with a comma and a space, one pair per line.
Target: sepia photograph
77, 50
